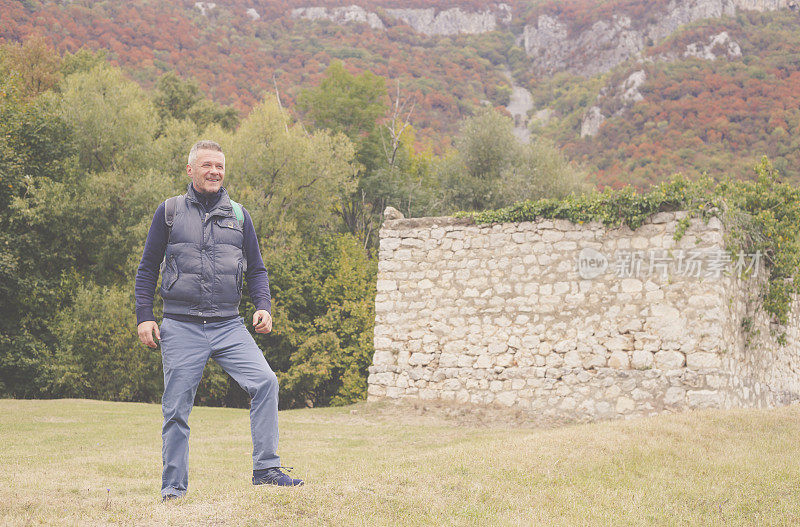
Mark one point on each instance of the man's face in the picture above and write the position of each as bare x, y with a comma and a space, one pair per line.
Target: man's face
208, 171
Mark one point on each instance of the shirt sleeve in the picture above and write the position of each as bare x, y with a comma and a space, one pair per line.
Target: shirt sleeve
256, 275
147, 273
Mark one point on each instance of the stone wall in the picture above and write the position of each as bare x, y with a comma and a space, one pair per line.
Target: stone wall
575, 321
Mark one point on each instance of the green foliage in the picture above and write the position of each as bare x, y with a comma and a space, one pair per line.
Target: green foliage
33, 144
348, 103
112, 118
765, 214
406, 180
82, 61
34, 147
568, 96
89, 161
353, 105
614, 207
178, 99
174, 97
290, 181
760, 216
99, 353
493, 169
486, 144
324, 315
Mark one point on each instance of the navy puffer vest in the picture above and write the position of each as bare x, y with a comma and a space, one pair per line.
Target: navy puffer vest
204, 265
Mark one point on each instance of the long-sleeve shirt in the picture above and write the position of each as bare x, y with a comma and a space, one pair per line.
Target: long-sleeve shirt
156, 245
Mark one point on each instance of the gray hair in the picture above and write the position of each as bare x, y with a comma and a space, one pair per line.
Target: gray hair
203, 145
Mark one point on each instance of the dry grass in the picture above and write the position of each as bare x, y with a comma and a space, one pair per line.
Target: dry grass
78, 462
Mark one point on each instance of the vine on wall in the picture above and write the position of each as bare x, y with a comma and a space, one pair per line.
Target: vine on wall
759, 215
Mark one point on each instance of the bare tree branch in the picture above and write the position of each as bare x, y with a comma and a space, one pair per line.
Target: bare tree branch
280, 105
394, 122
301, 187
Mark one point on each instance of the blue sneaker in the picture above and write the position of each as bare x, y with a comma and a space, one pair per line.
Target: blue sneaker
274, 476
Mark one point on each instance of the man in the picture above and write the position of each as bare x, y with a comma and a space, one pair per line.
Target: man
208, 246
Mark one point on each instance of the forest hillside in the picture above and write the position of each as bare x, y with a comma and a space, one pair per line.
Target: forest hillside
634, 90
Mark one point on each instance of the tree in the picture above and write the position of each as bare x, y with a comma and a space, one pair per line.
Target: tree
324, 318
113, 119
87, 162
486, 150
35, 65
492, 169
174, 97
180, 99
35, 145
355, 105
406, 181
101, 359
82, 61
290, 181
351, 104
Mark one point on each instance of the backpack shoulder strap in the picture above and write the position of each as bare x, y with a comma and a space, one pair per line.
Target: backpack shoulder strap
169, 211
237, 210
169, 218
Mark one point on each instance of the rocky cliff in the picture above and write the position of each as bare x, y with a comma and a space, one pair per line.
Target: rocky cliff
607, 43
340, 15
426, 21
453, 21
621, 97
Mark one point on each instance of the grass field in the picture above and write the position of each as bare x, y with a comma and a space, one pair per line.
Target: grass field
77, 462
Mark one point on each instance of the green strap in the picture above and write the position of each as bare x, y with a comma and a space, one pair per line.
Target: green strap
237, 210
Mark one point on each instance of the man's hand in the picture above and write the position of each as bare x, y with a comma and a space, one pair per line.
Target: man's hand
146, 330
262, 321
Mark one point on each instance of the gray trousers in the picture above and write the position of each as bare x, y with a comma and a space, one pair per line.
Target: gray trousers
185, 349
